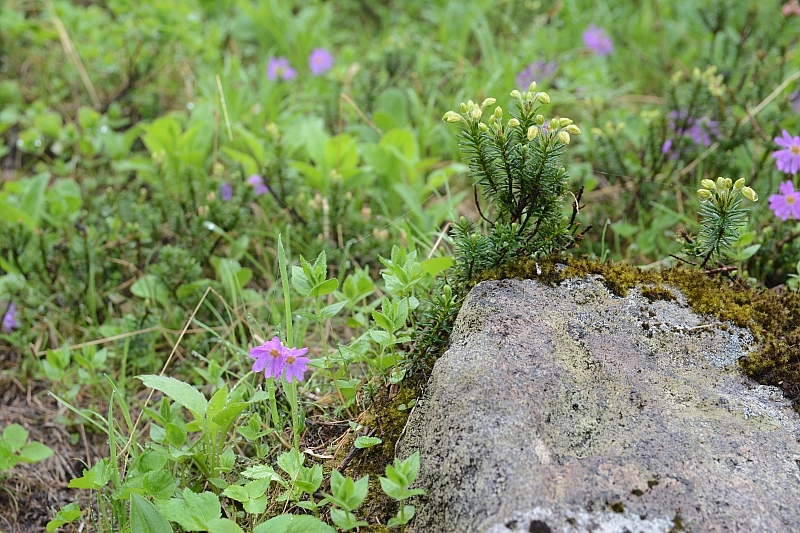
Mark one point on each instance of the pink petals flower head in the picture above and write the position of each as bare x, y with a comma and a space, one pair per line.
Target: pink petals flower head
320, 61
597, 40
279, 67
296, 363
10, 318
786, 204
788, 159
257, 182
274, 359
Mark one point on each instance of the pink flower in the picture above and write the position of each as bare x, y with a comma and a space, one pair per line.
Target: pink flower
269, 357
598, 40
279, 67
791, 8
257, 182
296, 363
320, 61
10, 318
786, 204
789, 157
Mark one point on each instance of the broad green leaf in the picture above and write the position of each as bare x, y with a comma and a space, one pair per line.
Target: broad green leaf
95, 478
366, 442
65, 515
15, 436
151, 288
182, 393
436, 265
237, 492
326, 287
223, 525
194, 512
330, 311
160, 484
146, 518
287, 523
34, 452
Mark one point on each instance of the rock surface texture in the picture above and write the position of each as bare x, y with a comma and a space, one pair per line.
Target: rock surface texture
568, 409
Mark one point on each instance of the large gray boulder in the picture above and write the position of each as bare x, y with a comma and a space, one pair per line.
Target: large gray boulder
569, 409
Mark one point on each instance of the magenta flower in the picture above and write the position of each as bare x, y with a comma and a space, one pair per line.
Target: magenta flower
10, 318
279, 67
597, 40
270, 357
786, 204
296, 364
536, 71
257, 182
225, 191
789, 157
320, 61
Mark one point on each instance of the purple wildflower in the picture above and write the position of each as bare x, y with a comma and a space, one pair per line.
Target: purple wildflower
666, 147
320, 61
279, 67
786, 204
536, 71
701, 130
10, 318
270, 357
257, 182
225, 191
597, 40
794, 99
296, 363
789, 157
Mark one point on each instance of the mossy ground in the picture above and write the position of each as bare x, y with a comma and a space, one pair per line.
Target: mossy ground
773, 316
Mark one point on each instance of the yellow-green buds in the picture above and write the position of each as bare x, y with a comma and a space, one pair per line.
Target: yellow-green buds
564, 136
709, 184
573, 129
533, 131
703, 194
483, 126
498, 111
723, 184
739, 185
488, 102
553, 124
476, 113
451, 116
564, 122
540, 120
516, 94
543, 98
464, 107
750, 194
513, 123
532, 87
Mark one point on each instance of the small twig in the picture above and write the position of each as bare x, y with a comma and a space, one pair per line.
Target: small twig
361, 114
224, 108
478, 205
682, 260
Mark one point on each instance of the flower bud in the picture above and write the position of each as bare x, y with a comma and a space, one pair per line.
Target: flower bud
483, 127
739, 184
544, 98
476, 113
533, 131
498, 112
513, 123
750, 194
573, 129
709, 184
703, 194
532, 87
553, 124
488, 102
451, 116
723, 184
463, 107
540, 119
564, 122
515, 94
563, 136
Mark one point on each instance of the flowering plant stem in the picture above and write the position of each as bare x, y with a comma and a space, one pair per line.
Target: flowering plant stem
289, 388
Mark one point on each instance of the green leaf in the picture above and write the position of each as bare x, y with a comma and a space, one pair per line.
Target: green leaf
256, 505
95, 478
15, 437
237, 492
300, 281
65, 515
436, 265
288, 523
150, 287
34, 452
366, 442
182, 393
330, 311
402, 518
194, 512
326, 287
146, 518
160, 484
223, 525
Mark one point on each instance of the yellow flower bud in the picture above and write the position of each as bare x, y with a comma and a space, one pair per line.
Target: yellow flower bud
533, 131
544, 98
703, 194
750, 194
723, 184
513, 123
540, 120
498, 112
532, 86
709, 184
553, 123
488, 102
515, 94
463, 107
739, 184
564, 136
564, 122
451, 116
573, 129
476, 113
